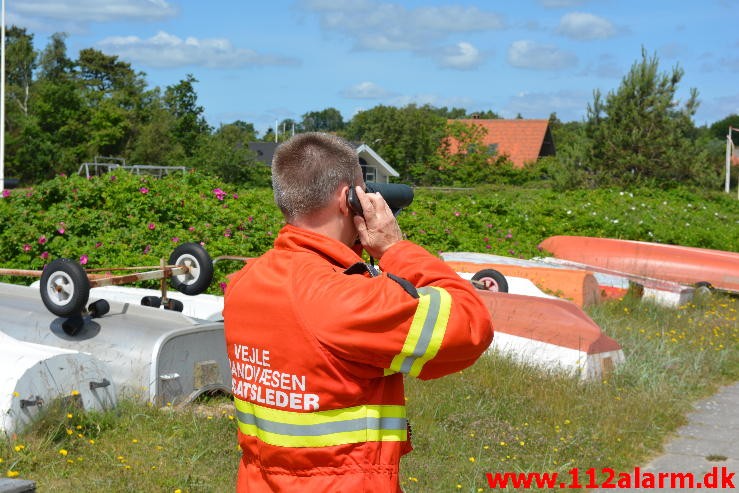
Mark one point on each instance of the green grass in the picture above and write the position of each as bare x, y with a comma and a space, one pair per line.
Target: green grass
498, 415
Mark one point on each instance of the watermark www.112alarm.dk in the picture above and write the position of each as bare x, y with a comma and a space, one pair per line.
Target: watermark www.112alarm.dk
605, 477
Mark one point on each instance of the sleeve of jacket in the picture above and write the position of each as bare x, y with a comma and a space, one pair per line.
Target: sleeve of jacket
429, 327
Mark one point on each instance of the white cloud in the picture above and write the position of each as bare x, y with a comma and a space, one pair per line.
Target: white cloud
365, 90
462, 56
560, 3
371, 25
83, 11
166, 51
569, 105
583, 26
529, 54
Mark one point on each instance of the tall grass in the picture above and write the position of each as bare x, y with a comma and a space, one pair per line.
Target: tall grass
499, 415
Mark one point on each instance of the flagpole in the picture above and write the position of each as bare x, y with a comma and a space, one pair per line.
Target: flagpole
2, 100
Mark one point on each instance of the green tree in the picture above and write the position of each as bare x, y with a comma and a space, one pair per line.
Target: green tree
405, 137
226, 154
328, 120
20, 62
181, 101
639, 134
720, 129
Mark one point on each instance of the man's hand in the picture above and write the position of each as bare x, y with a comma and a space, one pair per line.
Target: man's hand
378, 229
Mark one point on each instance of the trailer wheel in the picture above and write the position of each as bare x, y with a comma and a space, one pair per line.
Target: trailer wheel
492, 280
703, 288
200, 265
64, 287
174, 305
154, 301
98, 308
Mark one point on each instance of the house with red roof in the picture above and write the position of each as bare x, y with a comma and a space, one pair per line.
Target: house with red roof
523, 141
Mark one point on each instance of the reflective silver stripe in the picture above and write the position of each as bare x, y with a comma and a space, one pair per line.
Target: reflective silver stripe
427, 331
318, 429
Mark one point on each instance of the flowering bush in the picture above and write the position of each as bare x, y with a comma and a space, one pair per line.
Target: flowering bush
109, 221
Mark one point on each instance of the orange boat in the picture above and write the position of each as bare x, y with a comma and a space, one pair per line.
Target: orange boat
551, 333
680, 264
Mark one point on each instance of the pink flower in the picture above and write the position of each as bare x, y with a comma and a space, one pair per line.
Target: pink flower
144, 190
227, 233
220, 194
509, 236
83, 259
147, 249
151, 226
98, 244
250, 219
61, 230
456, 213
42, 240
6, 193
235, 196
44, 255
222, 286
26, 247
175, 239
191, 229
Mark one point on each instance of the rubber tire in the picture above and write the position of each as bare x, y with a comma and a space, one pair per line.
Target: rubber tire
174, 305
196, 281
498, 282
65, 272
703, 287
152, 301
98, 308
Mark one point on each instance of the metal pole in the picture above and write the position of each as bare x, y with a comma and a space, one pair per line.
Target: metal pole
2, 100
727, 183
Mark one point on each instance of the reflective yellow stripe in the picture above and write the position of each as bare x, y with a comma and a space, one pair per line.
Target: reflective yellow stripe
426, 332
322, 428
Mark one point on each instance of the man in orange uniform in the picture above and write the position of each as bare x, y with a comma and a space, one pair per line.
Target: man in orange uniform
318, 343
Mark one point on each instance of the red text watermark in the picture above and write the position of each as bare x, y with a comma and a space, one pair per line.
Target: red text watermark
605, 477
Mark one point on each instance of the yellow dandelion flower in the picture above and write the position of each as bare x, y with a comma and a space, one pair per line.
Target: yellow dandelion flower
126, 467
120, 457
471, 459
1, 460
486, 447
459, 486
135, 440
414, 479
230, 416
70, 461
159, 447
522, 443
178, 490
69, 432
12, 474
91, 441
19, 447
63, 452
502, 444
16, 394
75, 392
70, 415
567, 421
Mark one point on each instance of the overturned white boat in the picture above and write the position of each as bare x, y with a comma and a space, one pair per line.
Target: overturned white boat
33, 375
157, 355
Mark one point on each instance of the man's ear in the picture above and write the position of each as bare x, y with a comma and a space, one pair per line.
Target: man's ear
343, 200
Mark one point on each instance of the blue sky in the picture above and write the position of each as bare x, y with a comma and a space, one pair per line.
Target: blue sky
269, 60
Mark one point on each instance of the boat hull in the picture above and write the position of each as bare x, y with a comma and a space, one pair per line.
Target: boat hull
687, 265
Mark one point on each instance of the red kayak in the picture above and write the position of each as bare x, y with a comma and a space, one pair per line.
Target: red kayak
687, 265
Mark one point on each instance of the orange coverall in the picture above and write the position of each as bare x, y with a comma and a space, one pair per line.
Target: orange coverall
318, 357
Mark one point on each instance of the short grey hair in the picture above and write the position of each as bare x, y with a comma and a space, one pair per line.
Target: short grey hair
308, 169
